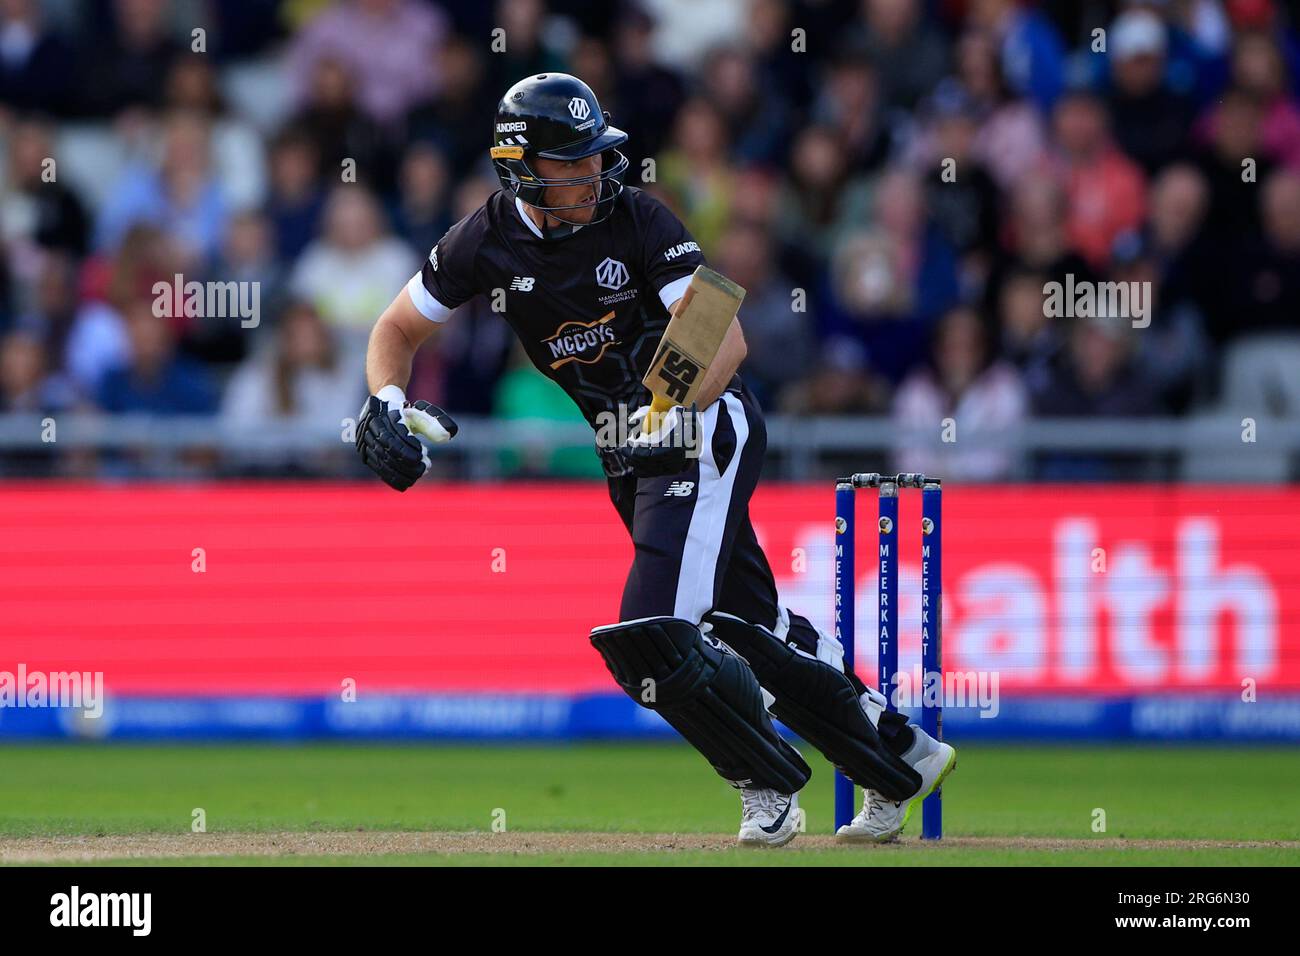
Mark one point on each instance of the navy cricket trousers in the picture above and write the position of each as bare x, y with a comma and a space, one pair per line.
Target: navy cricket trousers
695, 548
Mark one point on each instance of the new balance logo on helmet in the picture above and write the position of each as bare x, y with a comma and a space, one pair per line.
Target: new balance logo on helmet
522, 284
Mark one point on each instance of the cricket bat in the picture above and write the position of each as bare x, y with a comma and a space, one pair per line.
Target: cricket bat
690, 343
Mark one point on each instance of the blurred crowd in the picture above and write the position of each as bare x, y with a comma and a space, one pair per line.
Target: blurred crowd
894, 181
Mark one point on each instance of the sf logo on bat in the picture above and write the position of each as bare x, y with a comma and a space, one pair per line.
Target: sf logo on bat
677, 371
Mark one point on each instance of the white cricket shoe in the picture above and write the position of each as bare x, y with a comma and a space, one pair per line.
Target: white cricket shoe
882, 819
768, 818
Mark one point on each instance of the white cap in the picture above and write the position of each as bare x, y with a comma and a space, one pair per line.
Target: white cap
1135, 33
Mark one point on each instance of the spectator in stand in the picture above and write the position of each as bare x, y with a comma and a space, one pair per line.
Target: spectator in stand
1011, 141
909, 54
25, 382
695, 175
349, 274
1278, 306
127, 68
526, 49
452, 118
757, 202
1179, 199
890, 283
685, 31
757, 119
1198, 37
389, 47
648, 95
1032, 54
1149, 119
237, 150
154, 380
1270, 17
297, 196
757, 198
27, 389
1174, 350
1105, 190
38, 214
1235, 135
590, 59
98, 339
820, 200
1026, 336
768, 36
966, 382
1259, 282
297, 378
422, 212
1035, 238
342, 132
778, 331
53, 308
249, 29
1259, 70
180, 194
7, 296
849, 104
1095, 376
247, 257
34, 60
842, 383
961, 194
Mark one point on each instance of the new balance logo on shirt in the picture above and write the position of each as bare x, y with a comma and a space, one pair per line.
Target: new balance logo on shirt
521, 284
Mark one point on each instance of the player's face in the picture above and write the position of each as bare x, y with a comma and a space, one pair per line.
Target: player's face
581, 197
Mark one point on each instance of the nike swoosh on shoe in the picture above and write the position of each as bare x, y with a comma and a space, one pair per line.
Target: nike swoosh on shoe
779, 820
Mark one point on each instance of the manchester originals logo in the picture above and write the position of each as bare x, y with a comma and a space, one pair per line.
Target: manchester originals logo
611, 274
578, 108
583, 342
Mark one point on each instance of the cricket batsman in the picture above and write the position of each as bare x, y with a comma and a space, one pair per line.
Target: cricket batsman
592, 272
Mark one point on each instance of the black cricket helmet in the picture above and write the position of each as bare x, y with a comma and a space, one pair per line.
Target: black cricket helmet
556, 116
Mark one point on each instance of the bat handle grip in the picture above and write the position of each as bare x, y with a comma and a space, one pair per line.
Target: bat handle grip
658, 406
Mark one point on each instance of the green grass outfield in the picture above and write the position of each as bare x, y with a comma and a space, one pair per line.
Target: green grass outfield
1003, 805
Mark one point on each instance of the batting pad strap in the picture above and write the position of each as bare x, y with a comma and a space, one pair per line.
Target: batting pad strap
820, 704
873, 702
706, 693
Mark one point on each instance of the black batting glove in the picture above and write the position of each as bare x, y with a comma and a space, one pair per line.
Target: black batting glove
666, 451
388, 447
